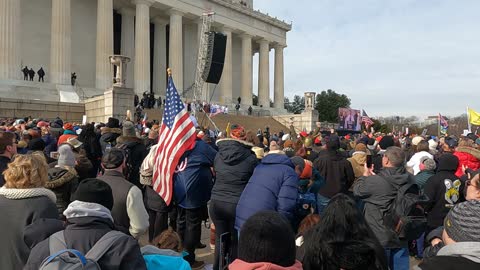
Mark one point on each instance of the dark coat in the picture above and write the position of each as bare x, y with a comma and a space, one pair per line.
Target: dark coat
109, 137
50, 144
193, 185
273, 186
138, 152
16, 215
3, 166
378, 192
81, 234
234, 164
437, 191
63, 182
336, 170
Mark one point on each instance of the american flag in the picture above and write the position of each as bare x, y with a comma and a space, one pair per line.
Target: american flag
177, 135
365, 119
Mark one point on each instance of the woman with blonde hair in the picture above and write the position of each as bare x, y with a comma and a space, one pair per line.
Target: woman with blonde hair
23, 200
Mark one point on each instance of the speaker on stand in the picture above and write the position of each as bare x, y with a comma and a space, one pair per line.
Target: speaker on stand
217, 43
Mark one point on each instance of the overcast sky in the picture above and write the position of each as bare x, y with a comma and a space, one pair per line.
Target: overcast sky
391, 57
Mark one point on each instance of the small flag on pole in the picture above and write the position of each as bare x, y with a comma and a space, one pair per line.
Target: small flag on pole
474, 117
443, 124
365, 119
177, 135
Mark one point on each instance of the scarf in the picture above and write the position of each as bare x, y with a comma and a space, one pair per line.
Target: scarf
24, 193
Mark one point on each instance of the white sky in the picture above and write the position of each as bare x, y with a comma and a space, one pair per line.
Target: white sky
391, 57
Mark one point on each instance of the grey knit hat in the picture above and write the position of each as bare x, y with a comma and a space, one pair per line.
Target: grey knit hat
463, 222
429, 163
66, 156
128, 129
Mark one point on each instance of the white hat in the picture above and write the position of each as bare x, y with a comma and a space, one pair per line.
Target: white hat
432, 144
286, 137
417, 140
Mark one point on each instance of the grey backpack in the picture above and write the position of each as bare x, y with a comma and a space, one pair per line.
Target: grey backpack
60, 256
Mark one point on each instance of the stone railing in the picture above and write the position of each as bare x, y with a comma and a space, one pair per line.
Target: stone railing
254, 13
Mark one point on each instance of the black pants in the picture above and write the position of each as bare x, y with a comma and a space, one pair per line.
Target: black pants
223, 216
189, 228
158, 223
40, 78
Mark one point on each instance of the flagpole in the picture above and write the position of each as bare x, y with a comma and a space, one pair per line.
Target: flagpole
468, 121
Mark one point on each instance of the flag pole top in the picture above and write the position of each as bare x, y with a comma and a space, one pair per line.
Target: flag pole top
169, 72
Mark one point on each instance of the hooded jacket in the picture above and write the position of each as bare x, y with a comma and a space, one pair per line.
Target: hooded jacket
336, 170
378, 192
234, 165
468, 157
444, 190
85, 226
18, 209
273, 186
242, 265
193, 181
63, 182
461, 255
358, 161
109, 137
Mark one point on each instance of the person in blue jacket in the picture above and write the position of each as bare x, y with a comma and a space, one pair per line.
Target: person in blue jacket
273, 186
192, 187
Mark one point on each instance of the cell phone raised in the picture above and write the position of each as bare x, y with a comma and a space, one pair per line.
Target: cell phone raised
54, 155
369, 161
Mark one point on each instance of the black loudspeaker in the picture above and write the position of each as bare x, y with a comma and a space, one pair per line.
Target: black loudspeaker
212, 71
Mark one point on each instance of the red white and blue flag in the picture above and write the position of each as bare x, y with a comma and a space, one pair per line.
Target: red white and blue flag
443, 124
365, 119
177, 135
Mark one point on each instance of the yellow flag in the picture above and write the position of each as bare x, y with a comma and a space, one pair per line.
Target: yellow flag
228, 130
474, 117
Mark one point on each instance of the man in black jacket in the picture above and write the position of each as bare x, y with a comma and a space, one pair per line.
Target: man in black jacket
88, 219
336, 170
135, 152
378, 192
8, 148
110, 133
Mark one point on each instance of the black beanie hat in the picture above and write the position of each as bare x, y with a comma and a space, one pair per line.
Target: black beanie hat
113, 123
386, 142
94, 191
448, 162
267, 237
36, 144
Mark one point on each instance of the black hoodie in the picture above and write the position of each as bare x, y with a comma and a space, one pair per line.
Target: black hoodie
444, 190
234, 164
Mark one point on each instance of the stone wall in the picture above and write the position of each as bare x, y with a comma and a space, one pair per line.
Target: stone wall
17, 108
304, 121
95, 109
113, 103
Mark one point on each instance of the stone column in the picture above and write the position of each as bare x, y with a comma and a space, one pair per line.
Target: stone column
263, 75
127, 46
10, 39
226, 83
104, 74
61, 43
142, 46
246, 93
278, 84
176, 48
160, 57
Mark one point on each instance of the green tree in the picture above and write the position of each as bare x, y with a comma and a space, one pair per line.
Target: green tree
327, 104
287, 105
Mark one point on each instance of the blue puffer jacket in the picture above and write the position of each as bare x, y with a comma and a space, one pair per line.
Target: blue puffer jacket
273, 186
192, 185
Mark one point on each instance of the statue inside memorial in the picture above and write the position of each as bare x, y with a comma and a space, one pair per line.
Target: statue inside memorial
25, 73
31, 74
73, 78
41, 74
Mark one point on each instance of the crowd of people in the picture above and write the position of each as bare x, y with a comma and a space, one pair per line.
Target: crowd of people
274, 200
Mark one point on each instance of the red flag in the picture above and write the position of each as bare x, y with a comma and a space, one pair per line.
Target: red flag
177, 135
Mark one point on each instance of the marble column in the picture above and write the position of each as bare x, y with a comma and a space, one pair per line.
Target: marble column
10, 63
278, 83
61, 43
160, 57
142, 46
104, 74
246, 92
263, 75
226, 83
176, 48
127, 46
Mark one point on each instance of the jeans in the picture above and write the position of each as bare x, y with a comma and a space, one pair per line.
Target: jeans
189, 228
398, 258
322, 203
223, 216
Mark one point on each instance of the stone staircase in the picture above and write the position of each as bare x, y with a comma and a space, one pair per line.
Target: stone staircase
221, 120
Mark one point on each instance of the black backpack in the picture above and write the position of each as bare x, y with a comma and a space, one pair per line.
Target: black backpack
406, 215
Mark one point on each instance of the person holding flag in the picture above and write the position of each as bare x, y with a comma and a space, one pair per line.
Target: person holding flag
366, 120
182, 170
442, 125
